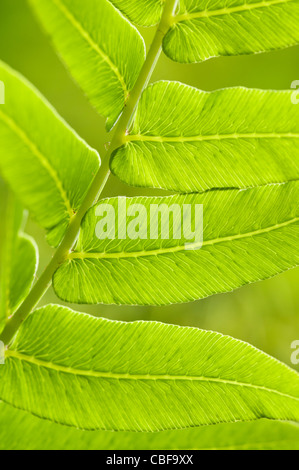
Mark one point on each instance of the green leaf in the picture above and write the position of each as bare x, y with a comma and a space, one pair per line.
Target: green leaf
248, 235
140, 376
102, 50
141, 12
21, 431
188, 140
18, 256
47, 165
223, 28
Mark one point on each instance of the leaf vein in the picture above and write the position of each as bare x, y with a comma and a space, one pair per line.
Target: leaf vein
161, 251
202, 138
228, 11
146, 377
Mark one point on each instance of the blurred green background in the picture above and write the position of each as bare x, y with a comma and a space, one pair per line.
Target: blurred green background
264, 314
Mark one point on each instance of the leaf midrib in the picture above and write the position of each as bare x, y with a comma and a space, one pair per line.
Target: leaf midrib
228, 11
146, 377
82, 255
203, 138
78, 26
42, 159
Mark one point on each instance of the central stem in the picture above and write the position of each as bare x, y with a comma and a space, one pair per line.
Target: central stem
99, 181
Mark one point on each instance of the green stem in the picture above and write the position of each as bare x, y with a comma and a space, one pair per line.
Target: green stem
98, 183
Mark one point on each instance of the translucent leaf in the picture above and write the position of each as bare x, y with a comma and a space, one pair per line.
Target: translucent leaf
18, 256
205, 29
140, 376
188, 140
48, 166
248, 235
102, 50
19, 431
141, 12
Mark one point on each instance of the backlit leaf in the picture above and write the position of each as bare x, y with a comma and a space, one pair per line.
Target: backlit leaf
18, 256
92, 373
102, 50
188, 140
248, 235
47, 165
205, 29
